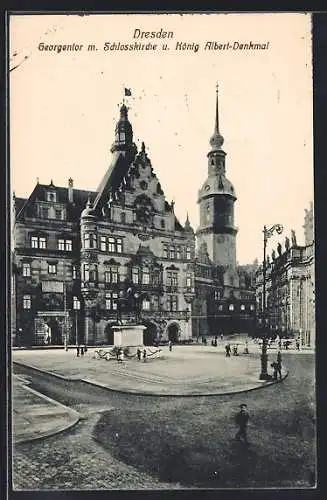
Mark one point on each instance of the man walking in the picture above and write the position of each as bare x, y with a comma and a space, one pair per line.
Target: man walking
227, 349
170, 344
242, 419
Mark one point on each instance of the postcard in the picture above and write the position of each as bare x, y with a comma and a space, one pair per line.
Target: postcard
162, 250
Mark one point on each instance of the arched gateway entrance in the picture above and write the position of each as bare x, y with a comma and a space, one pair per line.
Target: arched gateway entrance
173, 332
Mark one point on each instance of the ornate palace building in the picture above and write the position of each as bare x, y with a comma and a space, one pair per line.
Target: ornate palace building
290, 286
74, 251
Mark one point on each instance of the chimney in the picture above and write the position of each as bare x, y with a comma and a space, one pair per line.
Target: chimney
70, 190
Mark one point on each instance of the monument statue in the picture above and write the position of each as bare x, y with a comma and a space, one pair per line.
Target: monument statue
293, 236
287, 243
129, 302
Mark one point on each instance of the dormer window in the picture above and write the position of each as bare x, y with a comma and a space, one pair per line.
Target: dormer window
51, 196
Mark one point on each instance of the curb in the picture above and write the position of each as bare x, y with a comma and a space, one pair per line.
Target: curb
74, 414
140, 393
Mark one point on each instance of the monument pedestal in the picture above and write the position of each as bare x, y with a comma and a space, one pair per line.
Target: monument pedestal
128, 335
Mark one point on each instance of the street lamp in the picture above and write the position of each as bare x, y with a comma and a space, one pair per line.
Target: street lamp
76, 307
267, 233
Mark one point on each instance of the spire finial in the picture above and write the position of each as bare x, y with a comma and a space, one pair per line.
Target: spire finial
217, 114
217, 139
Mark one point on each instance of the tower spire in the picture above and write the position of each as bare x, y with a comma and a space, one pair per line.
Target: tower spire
217, 140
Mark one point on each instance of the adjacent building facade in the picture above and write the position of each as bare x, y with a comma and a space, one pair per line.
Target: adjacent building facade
75, 251
290, 287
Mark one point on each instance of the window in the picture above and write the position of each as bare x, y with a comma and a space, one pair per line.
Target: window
162, 224
188, 253
86, 272
94, 273
188, 281
114, 275
42, 242
58, 213
86, 240
26, 269
38, 242
145, 276
242, 307
74, 272
121, 136
76, 303
178, 253
51, 196
111, 244
135, 275
252, 307
123, 218
165, 251
172, 278
220, 307
172, 302
65, 245
27, 302
111, 300
90, 240
146, 304
44, 212
69, 245
155, 302
52, 268
103, 243
119, 245
231, 307
172, 252
217, 294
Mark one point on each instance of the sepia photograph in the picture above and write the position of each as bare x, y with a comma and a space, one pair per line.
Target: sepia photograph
162, 305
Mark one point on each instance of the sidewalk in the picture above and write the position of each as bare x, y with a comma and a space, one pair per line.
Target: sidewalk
36, 416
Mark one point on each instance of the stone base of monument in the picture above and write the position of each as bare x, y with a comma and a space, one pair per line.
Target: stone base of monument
128, 335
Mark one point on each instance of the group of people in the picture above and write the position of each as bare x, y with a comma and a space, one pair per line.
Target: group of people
229, 349
141, 355
81, 350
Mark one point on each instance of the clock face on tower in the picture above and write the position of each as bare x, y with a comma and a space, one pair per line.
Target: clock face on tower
143, 209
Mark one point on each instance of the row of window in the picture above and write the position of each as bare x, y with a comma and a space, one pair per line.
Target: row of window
41, 242
231, 307
111, 302
176, 252
47, 213
107, 244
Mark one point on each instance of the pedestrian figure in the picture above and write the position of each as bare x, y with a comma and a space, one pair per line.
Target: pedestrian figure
246, 349
222, 337
82, 351
242, 419
77, 351
85, 348
274, 365
144, 356
205, 341
170, 344
279, 364
138, 352
120, 356
227, 349
235, 351
297, 342
279, 344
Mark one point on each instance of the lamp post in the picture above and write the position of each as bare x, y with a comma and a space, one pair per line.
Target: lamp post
76, 306
267, 233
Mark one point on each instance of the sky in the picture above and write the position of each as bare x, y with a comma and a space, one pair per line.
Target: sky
64, 106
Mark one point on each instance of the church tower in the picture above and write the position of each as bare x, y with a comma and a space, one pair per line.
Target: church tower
216, 199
